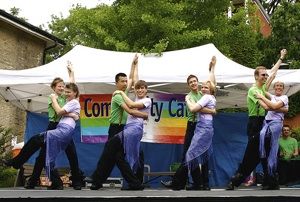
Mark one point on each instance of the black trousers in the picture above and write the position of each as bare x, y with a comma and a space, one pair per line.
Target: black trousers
32, 145
181, 174
251, 156
41, 161
287, 171
113, 154
115, 129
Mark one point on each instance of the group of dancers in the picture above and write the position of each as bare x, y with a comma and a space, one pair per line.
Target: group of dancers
126, 130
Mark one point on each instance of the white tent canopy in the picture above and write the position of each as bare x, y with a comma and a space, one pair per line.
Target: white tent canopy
95, 70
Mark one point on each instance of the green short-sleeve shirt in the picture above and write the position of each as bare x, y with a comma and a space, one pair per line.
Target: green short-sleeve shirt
289, 145
254, 109
192, 117
51, 112
116, 109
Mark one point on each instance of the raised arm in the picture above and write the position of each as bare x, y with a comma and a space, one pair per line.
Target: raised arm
132, 72
136, 68
212, 65
268, 84
71, 72
275, 68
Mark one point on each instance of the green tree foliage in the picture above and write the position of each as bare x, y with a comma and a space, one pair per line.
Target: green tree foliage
242, 36
131, 26
294, 105
286, 29
15, 11
271, 5
157, 26
297, 131
5, 140
285, 34
7, 175
166, 25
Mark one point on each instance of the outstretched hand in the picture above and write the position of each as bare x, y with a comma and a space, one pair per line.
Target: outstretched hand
76, 117
187, 97
135, 59
69, 66
117, 92
212, 62
282, 53
258, 95
53, 96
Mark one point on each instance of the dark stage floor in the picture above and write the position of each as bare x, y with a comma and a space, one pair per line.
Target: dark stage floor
115, 194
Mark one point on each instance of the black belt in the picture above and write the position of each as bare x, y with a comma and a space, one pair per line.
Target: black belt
116, 124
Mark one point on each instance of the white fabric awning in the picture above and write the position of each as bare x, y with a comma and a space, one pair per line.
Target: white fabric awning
95, 70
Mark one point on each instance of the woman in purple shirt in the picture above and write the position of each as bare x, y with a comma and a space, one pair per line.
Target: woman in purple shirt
56, 140
201, 145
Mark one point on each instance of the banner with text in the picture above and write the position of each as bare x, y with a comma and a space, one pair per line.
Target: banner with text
166, 124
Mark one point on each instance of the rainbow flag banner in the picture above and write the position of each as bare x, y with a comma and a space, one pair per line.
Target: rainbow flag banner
94, 117
166, 123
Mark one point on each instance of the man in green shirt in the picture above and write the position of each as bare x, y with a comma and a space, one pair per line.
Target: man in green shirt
288, 152
256, 113
200, 182
118, 117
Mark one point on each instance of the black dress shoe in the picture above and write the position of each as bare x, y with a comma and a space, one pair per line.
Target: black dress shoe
267, 187
193, 187
198, 188
205, 188
29, 186
55, 187
230, 186
133, 188
235, 181
171, 185
7, 162
77, 187
95, 186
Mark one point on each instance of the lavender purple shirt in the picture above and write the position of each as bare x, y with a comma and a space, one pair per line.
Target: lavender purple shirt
72, 106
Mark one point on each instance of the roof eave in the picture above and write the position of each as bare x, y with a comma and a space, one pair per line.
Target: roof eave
31, 29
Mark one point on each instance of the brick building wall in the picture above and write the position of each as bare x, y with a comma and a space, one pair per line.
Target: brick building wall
293, 122
18, 50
